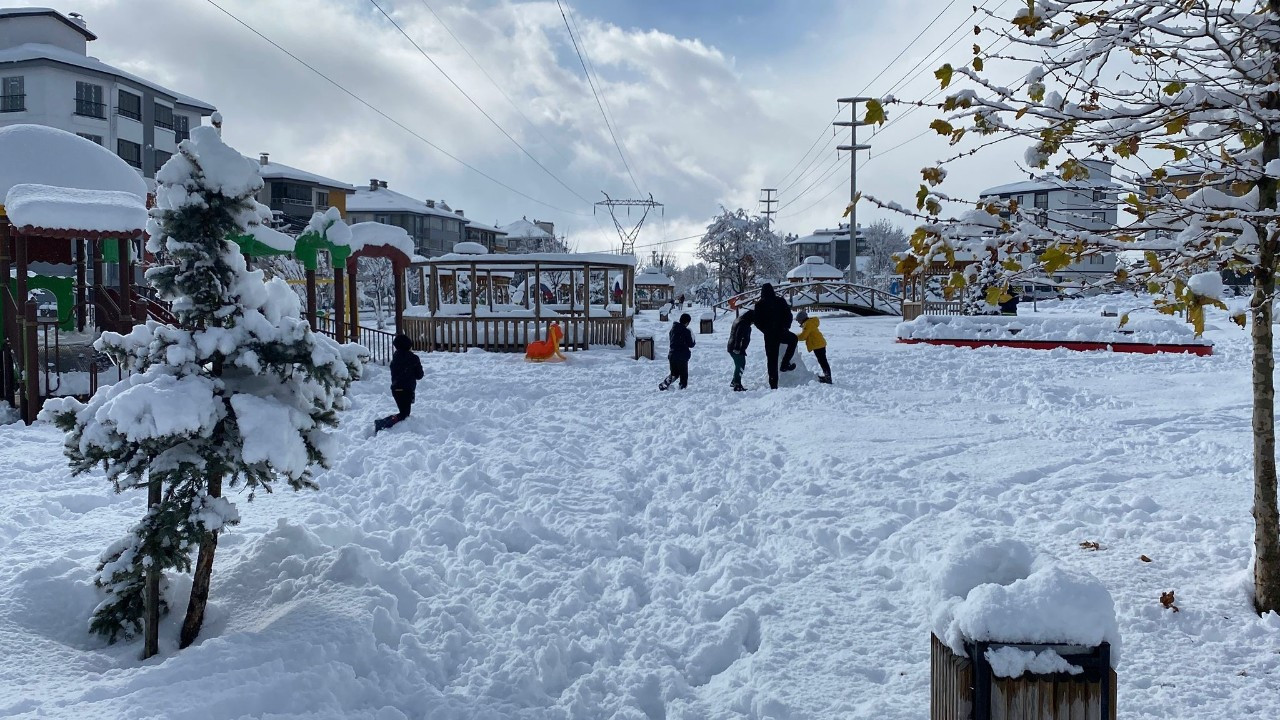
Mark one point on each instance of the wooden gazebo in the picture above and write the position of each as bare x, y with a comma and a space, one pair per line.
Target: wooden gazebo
918, 294
654, 289
449, 325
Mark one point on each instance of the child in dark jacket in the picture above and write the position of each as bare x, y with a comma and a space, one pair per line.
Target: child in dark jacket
681, 350
406, 371
739, 339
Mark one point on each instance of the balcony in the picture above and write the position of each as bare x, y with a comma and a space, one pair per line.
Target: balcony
131, 114
88, 108
13, 103
161, 124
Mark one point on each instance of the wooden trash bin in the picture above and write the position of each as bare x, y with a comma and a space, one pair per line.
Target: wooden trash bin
663, 315
644, 347
967, 689
705, 326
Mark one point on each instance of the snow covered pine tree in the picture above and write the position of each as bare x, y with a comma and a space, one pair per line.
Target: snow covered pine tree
241, 391
1185, 96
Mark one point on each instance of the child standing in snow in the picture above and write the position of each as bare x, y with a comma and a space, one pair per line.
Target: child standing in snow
406, 371
814, 342
739, 339
681, 350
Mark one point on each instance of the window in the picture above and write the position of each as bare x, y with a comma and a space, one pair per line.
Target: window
1100, 216
161, 157
89, 100
130, 152
1042, 201
1099, 195
181, 128
164, 116
13, 97
1097, 260
322, 199
91, 138
129, 105
385, 220
437, 223
290, 193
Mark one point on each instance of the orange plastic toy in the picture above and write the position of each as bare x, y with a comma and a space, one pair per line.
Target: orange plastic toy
546, 350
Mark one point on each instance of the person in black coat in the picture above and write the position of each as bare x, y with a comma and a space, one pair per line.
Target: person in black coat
739, 339
406, 371
681, 350
773, 319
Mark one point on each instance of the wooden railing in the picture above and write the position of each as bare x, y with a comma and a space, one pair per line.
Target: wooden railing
457, 334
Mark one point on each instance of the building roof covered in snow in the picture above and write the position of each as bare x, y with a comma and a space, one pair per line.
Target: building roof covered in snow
271, 170
524, 229
25, 52
1099, 177
814, 268
49, 156
386, 200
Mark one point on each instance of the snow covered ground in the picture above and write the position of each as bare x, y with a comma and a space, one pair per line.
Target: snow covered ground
563, 541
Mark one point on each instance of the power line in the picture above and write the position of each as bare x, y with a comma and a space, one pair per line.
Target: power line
835, 137
604, 97
913, 72
496, 85
825, 126
908, 46
599, 104
387, 117
475, 104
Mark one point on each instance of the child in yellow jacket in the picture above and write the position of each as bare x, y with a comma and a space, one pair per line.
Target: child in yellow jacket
814, 342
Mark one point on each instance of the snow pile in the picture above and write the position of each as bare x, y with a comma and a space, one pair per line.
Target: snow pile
994, 590
1147, 330
48, 156
470, 248
376, 234
1011, 662
272, 238
1207, 284
64, 208
814, 268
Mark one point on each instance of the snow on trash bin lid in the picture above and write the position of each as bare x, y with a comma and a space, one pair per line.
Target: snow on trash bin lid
994, 590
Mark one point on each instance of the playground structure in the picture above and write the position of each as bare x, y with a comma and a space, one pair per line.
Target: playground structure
546, 350
71, 213
921, 288
571, 290
834, 295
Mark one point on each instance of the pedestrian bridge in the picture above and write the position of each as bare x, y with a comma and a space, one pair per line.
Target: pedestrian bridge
858, 299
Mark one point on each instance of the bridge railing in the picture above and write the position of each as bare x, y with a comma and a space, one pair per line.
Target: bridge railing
822, 294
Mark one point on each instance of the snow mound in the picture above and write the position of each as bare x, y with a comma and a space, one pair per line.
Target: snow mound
992, 590
62, 208
1149, 330
1012, 662
48, 156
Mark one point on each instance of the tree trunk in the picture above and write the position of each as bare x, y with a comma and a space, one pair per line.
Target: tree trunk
1266, 517
151, 593
200, 583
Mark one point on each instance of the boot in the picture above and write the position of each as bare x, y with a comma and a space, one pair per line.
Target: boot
788, 367
666, 383
737, 387
825, 379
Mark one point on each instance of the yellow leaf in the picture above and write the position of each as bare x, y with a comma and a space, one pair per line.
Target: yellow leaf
1011, 265
1239, 319
996, 295
944, 74
1176, 125
875, 112
1021, 112
1124, 320
1054, 258
942, 127
921, 195
1122, 275
1153, 261
907, 264
1174, 88
977, 64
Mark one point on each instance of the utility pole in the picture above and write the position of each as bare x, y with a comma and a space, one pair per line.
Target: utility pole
768, 198
853, 147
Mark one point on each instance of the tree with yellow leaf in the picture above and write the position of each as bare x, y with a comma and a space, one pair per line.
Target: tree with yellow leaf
1159, 87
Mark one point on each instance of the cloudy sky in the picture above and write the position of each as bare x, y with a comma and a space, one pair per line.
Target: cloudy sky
710, 100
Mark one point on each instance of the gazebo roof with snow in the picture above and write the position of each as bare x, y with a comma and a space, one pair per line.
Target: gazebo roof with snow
814, 268
55, 183
653, 278
35, 154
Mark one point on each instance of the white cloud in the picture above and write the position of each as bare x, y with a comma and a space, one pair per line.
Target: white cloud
700, 126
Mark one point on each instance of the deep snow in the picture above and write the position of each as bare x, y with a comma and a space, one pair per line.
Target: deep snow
564, 541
